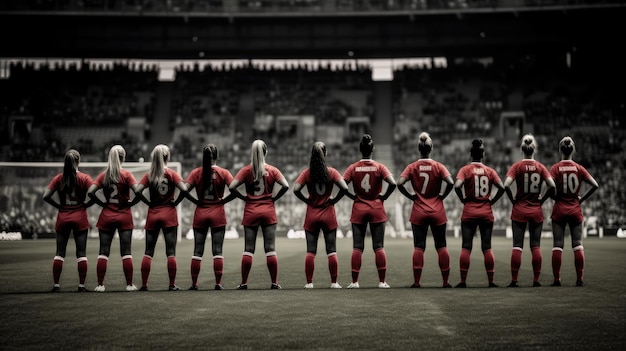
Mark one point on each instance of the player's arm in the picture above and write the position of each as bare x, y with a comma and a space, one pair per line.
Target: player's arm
449, 184
500, 186
391, 186
233, 189
593, 186
404, 190
343, 191
93, 198
297, 190
139, 194
549, 191
458, 189
47, 197
507, 188
284, 186
182, 194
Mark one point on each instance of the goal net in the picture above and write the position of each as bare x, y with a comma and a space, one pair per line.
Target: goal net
24, 214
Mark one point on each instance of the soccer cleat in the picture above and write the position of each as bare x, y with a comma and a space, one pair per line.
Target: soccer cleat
173, 288
415, 286
335, 286
556, 283
536, 284
461, 285
513, 284
55, 289
580, 283
131, 287
275, 286
242, 287
383, 285
99, 288
143, 288
218, 287
446, 285
308, 286
353, 285
82, 289
493, 285
193, 287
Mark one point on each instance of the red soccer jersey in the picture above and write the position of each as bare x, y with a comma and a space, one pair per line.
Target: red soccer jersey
117, 215
317, 215
213, 192
367, 177
568, 177
478, 180
72, 213
163, 193
426, 176
529, 176
259, 209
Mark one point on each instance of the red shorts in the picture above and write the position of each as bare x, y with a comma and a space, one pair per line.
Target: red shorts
255, 214
317, 219
434, 218
209, 217
72, 220
521, 213
368, 212
161, 217
111, 220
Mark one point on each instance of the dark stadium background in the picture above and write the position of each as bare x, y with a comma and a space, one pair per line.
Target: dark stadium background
88, 74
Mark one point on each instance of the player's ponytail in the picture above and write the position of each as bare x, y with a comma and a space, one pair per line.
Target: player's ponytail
317, 165
567, 146
478, 149
257, 155
70, 166
366, 146
210, 153
117, 155
529, 144
425, 145
160, 156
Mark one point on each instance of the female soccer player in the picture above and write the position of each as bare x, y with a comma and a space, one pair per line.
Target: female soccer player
368, 208
71, 187
528, 175
116, 214
569, 177
427, 177
259, 211
319, 180
209, 181
473, 186
162, 215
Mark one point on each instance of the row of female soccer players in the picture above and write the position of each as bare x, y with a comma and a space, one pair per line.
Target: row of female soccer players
473, 186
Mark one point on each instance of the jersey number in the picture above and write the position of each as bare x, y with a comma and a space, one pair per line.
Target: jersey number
113, 195
481, 186
70, 199
365, 183
570, 182
532, 182
259, 187
426, 177
208, 194
321, 188
163, 188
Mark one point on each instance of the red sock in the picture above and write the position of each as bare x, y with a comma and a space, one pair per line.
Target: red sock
196, 264
272, 266
101, 268
57, 268
246, 265
579, 262
355, 262
557, 257
171, 269
309, 266
490, 263
444, 264
418, 264
127, 266
82, 269
516, 262
381, 263
218, 268
536, 261
333, 266
464, 263
146, 265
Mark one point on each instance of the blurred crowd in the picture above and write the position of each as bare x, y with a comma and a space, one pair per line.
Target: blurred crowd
291, 108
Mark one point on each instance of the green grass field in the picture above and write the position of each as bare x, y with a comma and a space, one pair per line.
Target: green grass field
430, 318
